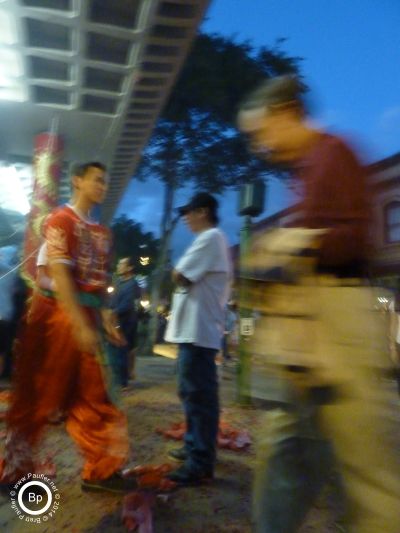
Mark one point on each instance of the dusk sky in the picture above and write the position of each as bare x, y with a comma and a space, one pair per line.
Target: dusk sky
351, 52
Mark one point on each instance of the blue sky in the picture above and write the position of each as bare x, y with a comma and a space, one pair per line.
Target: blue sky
351, 51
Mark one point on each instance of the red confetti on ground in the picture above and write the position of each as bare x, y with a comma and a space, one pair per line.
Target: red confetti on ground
152, 477
136, 512
228, 437
46, 467
176, 431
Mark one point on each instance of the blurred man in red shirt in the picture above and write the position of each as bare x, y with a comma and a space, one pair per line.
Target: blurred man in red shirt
338, 415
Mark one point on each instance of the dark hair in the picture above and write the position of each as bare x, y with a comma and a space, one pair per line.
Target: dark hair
202, 200
212, 215
279, 91
80, 170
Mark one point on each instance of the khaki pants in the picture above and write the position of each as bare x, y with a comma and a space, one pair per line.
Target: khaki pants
300, 445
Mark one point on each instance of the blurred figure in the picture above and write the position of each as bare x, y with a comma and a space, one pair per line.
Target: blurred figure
125, 302
8, 280
196, 324
337, 404
61, 362
231, 334
163, 315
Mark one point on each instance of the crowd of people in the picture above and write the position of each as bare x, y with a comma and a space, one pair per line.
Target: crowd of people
327, 344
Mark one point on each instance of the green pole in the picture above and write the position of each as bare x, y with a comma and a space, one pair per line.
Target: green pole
244, 363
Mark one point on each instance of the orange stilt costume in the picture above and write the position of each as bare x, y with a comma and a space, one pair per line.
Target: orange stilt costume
53, 374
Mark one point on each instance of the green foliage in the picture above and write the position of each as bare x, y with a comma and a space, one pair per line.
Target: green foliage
219, 72
196, 140
131, 241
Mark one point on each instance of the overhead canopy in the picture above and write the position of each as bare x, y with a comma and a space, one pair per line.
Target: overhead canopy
97, 71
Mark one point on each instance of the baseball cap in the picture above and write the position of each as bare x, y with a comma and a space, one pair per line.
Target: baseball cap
200, 199
273, 92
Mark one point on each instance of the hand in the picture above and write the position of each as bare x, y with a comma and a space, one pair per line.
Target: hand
112, 328
180, 279
87, 338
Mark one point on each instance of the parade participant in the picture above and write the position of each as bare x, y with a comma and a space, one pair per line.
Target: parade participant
43, 279
197, 326
336, 411
61, 364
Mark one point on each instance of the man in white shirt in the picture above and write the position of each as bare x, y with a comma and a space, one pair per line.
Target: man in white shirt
202, 279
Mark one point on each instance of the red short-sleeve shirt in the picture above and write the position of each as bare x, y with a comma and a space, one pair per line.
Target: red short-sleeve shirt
80, 243
335, 197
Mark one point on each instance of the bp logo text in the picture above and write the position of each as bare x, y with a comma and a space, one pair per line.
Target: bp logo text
35, 498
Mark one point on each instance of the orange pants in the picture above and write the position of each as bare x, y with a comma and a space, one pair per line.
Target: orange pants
53, 375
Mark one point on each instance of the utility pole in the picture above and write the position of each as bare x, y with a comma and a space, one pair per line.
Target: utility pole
245, 320
251, 204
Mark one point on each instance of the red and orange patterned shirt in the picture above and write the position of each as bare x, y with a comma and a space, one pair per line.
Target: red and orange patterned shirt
81, 243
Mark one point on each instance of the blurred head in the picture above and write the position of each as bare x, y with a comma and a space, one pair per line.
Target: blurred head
124, 266
273, 117
89, 180
201, 212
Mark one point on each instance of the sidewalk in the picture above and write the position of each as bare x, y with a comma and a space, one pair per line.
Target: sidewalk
220, 507
266, 389
166, 350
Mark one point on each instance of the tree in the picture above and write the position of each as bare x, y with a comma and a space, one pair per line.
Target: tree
131, 241
196, 140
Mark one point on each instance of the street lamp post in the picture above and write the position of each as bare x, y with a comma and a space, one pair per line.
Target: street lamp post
245, 317
251, 204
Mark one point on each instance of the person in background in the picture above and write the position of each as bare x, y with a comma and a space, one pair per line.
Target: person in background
162, 313
125, 302
202, 278
230, 340
8, 280
336, 409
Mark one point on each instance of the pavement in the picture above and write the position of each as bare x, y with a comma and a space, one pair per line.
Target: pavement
223, 506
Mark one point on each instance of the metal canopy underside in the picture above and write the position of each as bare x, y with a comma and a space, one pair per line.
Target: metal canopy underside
101, 70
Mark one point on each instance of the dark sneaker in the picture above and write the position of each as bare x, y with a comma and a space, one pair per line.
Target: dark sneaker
115, 483
178, 454
185, 475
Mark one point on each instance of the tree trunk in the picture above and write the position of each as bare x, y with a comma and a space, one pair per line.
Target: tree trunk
168, 202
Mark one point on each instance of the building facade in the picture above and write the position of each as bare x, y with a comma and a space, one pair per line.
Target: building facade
386, 229
385, 236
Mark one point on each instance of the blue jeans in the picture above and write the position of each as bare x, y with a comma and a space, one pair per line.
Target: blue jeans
121, 353
198, 390
292, 473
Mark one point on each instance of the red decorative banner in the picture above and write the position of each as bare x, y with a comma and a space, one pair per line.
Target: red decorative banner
46, 176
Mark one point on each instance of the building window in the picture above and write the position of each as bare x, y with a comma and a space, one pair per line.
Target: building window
392, 222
